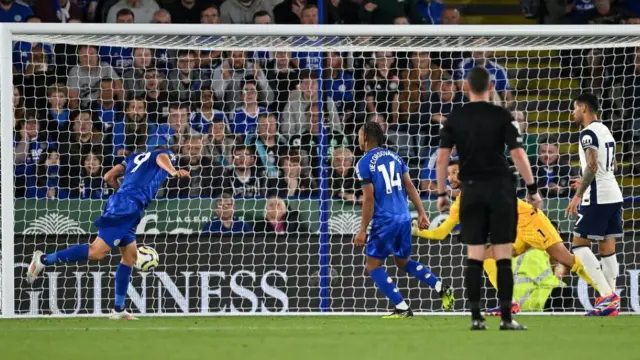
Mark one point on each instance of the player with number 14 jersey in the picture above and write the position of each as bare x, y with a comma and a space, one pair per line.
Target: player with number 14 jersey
385, 186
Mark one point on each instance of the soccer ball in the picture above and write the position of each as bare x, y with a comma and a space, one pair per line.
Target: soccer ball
148, 259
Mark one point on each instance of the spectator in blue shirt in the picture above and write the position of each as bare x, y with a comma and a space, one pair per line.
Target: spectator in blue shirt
308, 59
225, 221
48, 179
57, 110
107, 108
120, 58
28, 147
430, 10
28, 57
580, 11
172, 132
499, 77
204, 116
341, 90
245, 119
14, 11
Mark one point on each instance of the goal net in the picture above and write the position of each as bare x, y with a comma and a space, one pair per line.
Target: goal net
265, 120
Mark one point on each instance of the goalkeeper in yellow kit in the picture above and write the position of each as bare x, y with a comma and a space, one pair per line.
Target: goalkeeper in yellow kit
534, 231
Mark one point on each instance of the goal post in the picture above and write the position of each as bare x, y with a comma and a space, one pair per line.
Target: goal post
315, 270
6, 175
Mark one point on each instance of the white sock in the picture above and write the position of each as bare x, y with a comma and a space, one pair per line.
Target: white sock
402, 306
592, 266
610, 269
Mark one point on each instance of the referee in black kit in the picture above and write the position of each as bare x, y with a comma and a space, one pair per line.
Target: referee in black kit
488, 208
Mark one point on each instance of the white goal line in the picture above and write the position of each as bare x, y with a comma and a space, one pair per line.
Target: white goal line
290, 314
167, 328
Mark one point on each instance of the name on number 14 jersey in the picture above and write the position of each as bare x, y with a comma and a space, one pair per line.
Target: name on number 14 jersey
604, 189
143, 177
384, 169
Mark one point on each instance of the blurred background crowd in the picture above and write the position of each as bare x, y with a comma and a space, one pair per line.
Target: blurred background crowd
248, 124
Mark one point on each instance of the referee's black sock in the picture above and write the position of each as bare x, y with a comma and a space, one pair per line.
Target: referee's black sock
505, 288
473, 280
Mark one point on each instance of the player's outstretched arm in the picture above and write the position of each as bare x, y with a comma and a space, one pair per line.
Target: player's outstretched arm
112, 176
164, 162
412, 193
439, 233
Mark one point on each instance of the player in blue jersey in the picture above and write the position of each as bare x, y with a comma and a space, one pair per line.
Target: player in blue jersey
385, 186
143, 173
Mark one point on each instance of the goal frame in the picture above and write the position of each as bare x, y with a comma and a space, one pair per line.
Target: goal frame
8, 30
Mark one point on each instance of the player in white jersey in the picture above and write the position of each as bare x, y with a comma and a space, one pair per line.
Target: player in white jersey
598, 204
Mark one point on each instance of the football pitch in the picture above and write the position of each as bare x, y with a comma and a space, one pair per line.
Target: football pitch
311, 338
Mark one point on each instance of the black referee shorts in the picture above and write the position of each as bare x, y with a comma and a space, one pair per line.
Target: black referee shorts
488, 212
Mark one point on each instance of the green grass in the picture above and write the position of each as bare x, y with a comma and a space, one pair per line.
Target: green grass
326, 338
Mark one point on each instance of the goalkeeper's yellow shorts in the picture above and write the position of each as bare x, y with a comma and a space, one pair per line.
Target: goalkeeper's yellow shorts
536, 232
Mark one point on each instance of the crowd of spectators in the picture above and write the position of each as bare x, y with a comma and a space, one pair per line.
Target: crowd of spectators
248, 123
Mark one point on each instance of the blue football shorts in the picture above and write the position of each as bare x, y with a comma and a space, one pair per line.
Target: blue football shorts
118, 222
389, 237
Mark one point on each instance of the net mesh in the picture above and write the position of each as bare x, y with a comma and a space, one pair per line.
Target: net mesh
243, 115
